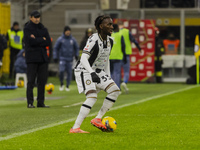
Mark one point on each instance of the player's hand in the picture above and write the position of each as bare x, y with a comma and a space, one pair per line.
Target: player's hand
44, 38
32, 36
95, 77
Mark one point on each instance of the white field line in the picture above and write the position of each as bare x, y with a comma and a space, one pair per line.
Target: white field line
75, 104
93, 114
154, 97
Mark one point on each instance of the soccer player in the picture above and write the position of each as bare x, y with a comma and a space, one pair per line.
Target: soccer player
92, 74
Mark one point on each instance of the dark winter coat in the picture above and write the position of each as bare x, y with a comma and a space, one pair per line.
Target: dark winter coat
35, 48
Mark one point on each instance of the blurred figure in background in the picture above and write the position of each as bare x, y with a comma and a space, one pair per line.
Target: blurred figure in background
117, 55
15, 37
128, 38
20, 63
88, 33
159, 51
171, 44
65, 49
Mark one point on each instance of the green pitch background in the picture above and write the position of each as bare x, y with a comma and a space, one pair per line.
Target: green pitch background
168, 121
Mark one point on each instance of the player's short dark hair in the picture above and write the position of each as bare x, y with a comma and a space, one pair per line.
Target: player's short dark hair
99, 20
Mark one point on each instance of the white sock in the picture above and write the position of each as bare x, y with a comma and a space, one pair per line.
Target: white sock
107, 104
84, 111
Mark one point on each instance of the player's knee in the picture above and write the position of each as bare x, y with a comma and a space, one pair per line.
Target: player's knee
114, 95
113, 91
91, 95
91, 98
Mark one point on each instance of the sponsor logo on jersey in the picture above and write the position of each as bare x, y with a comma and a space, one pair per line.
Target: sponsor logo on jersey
86, 48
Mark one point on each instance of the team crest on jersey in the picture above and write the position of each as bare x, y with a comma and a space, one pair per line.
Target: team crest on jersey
88, 82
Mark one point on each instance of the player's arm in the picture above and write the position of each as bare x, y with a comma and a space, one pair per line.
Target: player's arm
134, 41
84, 61
89, 48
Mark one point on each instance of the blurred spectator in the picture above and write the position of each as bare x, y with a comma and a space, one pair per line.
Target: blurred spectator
128, 38
171, 44
159, 50
117, 55
3, 45
36, 38
15, 37
65, 49
88, 33
20, 63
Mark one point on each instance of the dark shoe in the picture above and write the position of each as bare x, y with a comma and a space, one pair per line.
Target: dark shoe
30, 106
44, 106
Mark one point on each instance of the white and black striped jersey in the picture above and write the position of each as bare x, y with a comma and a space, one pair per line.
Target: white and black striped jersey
98, 51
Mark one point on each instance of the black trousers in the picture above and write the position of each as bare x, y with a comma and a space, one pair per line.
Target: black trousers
39, 71
13, 57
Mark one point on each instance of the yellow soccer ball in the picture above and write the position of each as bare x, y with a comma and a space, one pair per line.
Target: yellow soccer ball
49, 88
110, 123
20, 83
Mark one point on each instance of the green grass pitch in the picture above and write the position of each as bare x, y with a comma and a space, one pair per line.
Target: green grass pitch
150, 117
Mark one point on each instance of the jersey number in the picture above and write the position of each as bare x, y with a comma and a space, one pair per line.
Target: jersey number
105, 78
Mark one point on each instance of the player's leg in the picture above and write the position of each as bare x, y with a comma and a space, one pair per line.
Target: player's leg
91, 98
113, 93
108, 85
61, 74
84, 83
